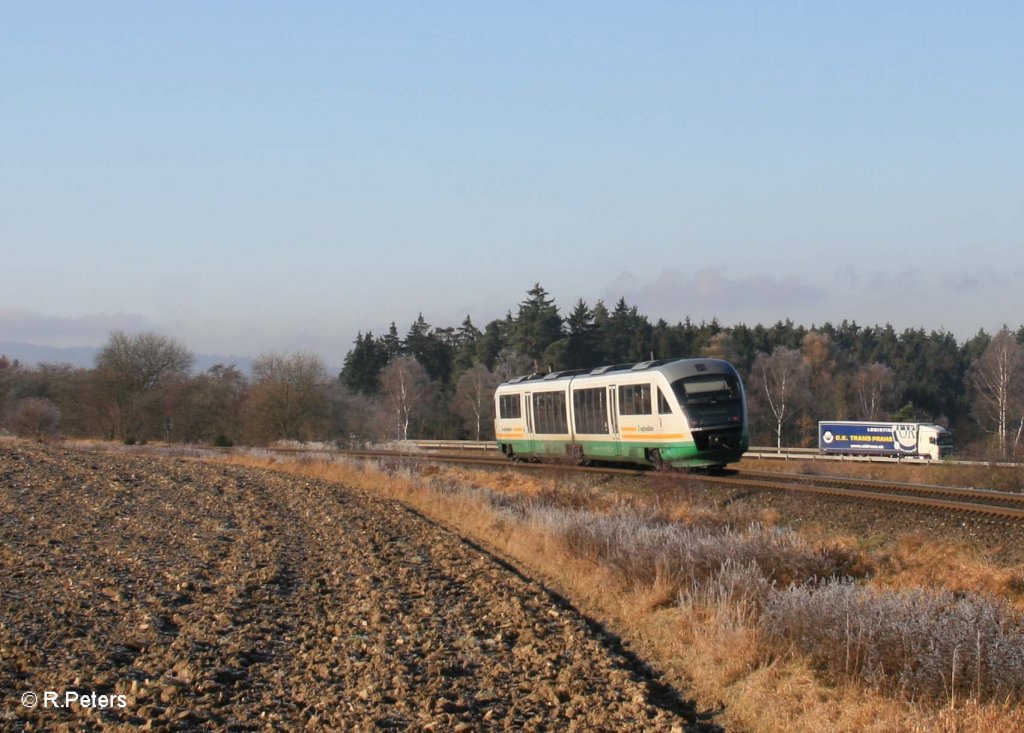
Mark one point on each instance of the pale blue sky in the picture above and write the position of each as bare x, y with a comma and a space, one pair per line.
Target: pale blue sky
256, 176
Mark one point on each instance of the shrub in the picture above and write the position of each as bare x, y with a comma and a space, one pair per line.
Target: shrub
932, 644
33, 417
740, 590
223, 441
642, 550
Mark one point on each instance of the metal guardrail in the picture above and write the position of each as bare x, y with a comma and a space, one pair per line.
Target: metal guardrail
456, 445
813, 454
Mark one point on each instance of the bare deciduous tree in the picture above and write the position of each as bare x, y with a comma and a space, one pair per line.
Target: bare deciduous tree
130, 368
721, 346
406, 389
212, 405
826, 381
996, 378
357, 418
511, 363
474, 398
288, 398
874, 389
779, 388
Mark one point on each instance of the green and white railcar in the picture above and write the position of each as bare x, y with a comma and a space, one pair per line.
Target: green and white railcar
677, 412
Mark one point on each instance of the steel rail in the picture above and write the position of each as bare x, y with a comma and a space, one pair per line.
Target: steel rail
957, 492
753, 453
907, 494
906, 497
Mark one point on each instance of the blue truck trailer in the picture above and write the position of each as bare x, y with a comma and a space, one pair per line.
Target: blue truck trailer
884, 439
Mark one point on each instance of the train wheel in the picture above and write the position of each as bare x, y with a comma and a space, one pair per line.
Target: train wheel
654, 456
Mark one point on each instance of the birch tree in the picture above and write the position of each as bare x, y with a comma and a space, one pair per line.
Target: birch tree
996, 379
474, 398
779, 388
406, 390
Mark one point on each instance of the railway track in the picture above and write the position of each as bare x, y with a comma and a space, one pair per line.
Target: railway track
976, 502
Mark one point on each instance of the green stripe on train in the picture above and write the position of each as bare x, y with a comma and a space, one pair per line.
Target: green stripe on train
676, 454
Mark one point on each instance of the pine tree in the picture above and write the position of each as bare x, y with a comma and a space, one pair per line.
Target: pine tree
537, 325
465, 344
627, 336
361, 370
391, 343
581, 345
494, 340
430, 348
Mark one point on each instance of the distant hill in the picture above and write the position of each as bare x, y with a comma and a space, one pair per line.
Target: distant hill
85, 356
32, 354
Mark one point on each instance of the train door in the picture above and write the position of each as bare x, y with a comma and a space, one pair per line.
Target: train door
613, 420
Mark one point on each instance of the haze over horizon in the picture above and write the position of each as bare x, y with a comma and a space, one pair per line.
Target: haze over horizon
248, 178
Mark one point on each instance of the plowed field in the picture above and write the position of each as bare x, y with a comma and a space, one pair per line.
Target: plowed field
220, 598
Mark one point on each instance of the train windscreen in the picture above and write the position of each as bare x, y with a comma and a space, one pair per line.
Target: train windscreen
710, 399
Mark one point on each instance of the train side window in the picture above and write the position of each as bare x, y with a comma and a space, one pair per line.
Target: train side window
664, 408
549, 413
509, 406
635, 399
590, 411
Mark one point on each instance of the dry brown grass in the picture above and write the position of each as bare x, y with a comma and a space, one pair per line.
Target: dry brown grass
706, 644
915, 560
1002, 478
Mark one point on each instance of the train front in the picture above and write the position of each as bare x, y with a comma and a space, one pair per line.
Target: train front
711, 396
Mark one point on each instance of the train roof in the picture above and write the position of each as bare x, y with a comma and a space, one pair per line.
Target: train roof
673, 369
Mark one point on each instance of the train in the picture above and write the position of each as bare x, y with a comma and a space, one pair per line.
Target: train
901, 439
681, 413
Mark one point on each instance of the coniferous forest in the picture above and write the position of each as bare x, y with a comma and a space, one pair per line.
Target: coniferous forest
436, 381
